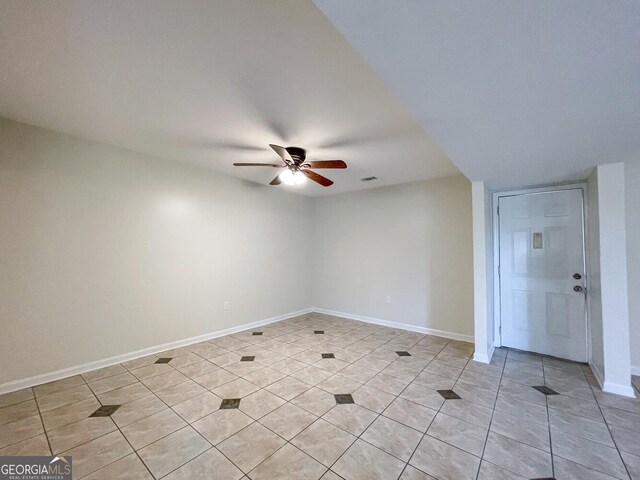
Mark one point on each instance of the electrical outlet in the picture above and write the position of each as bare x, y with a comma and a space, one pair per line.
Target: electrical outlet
226, 306
388, 299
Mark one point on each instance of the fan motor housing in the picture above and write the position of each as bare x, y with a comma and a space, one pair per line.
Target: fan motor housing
298, 154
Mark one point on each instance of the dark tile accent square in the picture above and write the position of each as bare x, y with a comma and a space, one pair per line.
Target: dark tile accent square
342, 398
228, 403
403, 354
319, 332
248, 358
256, 333
164, 360
328, 355
105, 411
546, 390
449, 394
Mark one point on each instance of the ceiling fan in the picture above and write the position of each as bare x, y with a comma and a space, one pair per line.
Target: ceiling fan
297, 168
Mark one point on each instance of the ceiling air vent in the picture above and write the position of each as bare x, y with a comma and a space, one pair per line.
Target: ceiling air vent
368, 179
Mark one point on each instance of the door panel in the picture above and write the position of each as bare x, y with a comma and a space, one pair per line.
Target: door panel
541, 248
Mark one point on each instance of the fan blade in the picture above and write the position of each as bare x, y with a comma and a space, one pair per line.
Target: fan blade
316, 177
327, 164
284, 155
276, 181
257, 165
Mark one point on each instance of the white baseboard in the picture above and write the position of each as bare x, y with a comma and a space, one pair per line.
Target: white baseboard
635, 370
618, 389
68, 372
484, 358
401, 326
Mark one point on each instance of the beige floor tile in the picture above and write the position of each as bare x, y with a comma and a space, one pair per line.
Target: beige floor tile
516, 407
260, 403
288, 388
392, 437
16, 397
214, 379
311, 375
92, 456
65, 438
181, 392
517, 457
580, 427
209, 465
105, 372
458, 433
469, 412
173, 451
137, 410
323, 441
127, 468
164, 380
363, 461
423, 395
411, 414
221, 424
626, 440
444, 461
15, 432
198, 369
124, 395
58, 386
238, 388
152, 428
621, 418
62, 398
18, 411
574, 406
568, 470
372, 398
37, 445
489, 471
339, 384
153, 370
112, 382
434, 382
412, 473
250, 446
590, 454
350, 417
474, 394
288, 420
388, 384
198, 407
633, 464
288, 463
264, 377
139, 362
315, 401
188, 358
530, 433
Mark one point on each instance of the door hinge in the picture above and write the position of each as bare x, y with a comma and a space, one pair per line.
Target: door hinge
498, 269
500, 330
498, 210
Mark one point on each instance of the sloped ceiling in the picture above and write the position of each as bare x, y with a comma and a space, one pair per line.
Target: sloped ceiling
210, 83
517, 92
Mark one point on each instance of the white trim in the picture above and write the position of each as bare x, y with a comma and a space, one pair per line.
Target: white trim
597, 374
401, 326
478, 357
618, 389
635, 370
125, 357
581, 185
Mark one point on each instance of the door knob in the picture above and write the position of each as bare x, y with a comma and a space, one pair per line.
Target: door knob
577, 276
577, 288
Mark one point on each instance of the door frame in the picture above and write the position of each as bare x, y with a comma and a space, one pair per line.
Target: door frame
495, 232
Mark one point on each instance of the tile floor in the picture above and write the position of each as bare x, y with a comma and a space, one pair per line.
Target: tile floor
323, 397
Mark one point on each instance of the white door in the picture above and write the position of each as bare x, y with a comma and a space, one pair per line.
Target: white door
542, 298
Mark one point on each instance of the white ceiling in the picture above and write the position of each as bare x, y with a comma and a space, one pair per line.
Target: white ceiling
211, 83
517, 92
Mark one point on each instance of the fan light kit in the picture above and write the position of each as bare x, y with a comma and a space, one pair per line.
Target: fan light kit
297, 169
289, 177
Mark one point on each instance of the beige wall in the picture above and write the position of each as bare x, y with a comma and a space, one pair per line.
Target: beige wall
411, 242
105, 252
